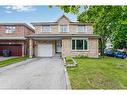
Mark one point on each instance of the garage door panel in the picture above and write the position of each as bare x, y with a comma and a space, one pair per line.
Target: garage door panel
16, 50
45, 50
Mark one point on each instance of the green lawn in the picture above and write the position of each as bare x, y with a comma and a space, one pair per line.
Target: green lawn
11, 61
102, 73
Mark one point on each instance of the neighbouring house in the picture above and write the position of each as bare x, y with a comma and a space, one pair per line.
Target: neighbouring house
63, 37
12, 37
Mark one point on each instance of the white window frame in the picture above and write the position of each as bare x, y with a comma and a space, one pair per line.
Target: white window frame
83, 44
10, 31
49, 28
80, 31
63, 25
85, 29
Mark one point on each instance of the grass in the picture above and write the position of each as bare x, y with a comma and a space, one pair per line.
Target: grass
102, 73
69, 60
11, 61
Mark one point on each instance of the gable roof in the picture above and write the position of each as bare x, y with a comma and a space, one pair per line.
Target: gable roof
63, 16
56, 22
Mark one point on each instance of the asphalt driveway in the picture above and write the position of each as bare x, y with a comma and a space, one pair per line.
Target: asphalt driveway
43, 73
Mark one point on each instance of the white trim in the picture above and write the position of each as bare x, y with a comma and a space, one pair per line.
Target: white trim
49, 28
83, 44
79, 38
67, 27
13, 38
42, 44
85, 29
10, 29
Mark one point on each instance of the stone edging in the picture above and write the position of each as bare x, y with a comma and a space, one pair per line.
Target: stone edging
70, 65
16, 64
66, 73
74, 61
64, 61
67, 79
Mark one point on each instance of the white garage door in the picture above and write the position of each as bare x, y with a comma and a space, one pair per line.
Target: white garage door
45, 50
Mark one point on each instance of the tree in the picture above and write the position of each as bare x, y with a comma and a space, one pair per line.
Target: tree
107, 21
120, 37
69, 8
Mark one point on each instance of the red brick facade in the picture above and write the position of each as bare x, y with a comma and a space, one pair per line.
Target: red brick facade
21, 31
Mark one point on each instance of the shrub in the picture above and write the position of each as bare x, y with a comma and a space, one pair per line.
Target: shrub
81, 56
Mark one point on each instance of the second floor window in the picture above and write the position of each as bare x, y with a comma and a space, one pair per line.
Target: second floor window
46, 28
81, 28
64, 28
10, 29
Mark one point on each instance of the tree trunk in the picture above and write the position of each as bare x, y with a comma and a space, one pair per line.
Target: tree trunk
102, 46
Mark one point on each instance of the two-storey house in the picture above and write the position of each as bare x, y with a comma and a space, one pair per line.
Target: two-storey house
63, 37
12, 37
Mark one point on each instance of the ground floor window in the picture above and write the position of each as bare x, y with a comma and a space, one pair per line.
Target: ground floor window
79, 44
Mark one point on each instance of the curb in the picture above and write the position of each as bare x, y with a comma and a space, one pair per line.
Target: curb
64, 61
68, 86
16, 64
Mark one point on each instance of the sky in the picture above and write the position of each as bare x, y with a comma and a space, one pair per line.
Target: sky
28, 14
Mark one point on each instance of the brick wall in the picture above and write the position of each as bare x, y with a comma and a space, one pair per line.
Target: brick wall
92, 48
63, 21
20, 31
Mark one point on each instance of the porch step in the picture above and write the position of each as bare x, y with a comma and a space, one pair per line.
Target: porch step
57, 55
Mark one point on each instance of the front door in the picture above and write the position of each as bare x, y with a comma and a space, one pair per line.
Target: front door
58, 46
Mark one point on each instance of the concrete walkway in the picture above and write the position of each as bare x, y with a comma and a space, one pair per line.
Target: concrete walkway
43, 73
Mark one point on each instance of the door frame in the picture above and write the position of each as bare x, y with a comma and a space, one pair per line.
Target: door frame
58, 43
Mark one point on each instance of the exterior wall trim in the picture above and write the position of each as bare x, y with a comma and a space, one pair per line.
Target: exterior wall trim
12, 38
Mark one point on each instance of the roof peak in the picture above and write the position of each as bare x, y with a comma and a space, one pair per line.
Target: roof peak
63, 16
